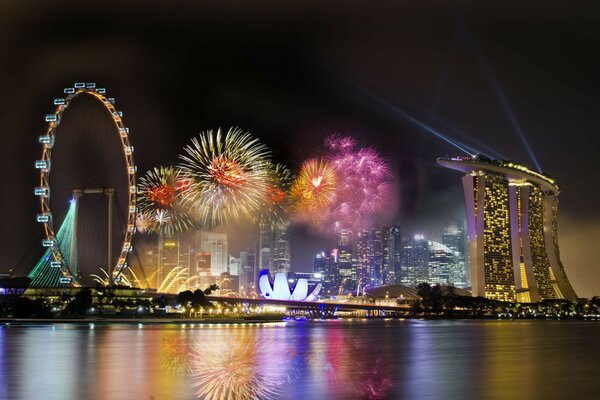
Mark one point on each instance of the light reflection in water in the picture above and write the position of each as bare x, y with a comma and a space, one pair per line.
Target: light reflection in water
240, 366
315, 360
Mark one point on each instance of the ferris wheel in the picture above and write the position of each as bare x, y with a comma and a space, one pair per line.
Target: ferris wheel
67, 275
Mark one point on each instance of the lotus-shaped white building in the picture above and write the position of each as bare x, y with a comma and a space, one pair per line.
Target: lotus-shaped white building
280, 289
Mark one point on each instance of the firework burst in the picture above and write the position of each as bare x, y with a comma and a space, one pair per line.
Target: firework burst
160, 202
314, 189
275, 210
363, 184
227, 175
145, 222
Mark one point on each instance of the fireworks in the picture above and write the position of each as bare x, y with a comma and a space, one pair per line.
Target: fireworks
159, 201
274, 211
363, 184
314, 188
145, 222
226, 175
345, 189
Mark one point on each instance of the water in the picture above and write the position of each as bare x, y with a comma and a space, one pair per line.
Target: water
393, 359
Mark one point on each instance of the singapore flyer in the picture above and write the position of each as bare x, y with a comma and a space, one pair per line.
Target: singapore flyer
58, 266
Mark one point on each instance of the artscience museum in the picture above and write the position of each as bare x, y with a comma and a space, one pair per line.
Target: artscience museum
280, 288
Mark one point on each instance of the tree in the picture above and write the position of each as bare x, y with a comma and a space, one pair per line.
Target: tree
81, 303
211, 289
431, 297
185, 298
199, 299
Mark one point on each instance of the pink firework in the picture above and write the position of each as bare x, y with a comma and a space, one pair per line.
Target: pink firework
363, 187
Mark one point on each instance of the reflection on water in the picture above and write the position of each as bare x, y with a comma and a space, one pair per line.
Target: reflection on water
302, 360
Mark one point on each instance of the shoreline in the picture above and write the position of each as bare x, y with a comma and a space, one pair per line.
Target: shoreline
132, 321
240, 321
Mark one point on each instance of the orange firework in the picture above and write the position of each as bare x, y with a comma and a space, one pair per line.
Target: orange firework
165, 195
160, 203
314, 188
227, 172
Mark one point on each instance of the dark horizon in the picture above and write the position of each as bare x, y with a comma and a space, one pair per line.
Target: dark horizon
500, 78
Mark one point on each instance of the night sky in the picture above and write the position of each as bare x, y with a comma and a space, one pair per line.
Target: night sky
293, 74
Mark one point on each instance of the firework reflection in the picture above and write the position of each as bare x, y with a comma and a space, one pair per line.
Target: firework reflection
241, 367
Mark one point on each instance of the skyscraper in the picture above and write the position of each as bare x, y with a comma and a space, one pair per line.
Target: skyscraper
249, 272
176, 253
454, 238
512, 217
265, 247
346, 265
369, 257
324, 264
440, 263
391, 250
281, 255
216, 245
202, 263
414, 260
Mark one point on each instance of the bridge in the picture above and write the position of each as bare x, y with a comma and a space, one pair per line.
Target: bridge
317, 309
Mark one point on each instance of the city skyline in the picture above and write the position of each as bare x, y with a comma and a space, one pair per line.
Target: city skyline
325, 200
466, 70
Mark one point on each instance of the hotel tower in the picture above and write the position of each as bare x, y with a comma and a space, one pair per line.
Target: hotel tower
512, 228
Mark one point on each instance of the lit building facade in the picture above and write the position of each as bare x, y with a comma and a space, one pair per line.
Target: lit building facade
369, 256
265, 247
249, 272
281, 254
453, 237
325, 266
346, 269
345, 264
441, 263
414, 261
216, 245
512, 229
391, 250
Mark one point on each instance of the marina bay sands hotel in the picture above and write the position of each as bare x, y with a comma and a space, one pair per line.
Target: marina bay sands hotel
512, 228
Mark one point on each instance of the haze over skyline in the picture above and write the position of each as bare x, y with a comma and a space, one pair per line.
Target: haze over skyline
292, 75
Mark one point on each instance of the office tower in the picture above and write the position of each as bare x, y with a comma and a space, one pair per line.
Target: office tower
324, 265
453, 236
202, 263
414, 260
248, 264
281, 256
175, 254
265, 247
346, 265
369, 257
216, 245
512, 215
235, 265
391, 250
440, 263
